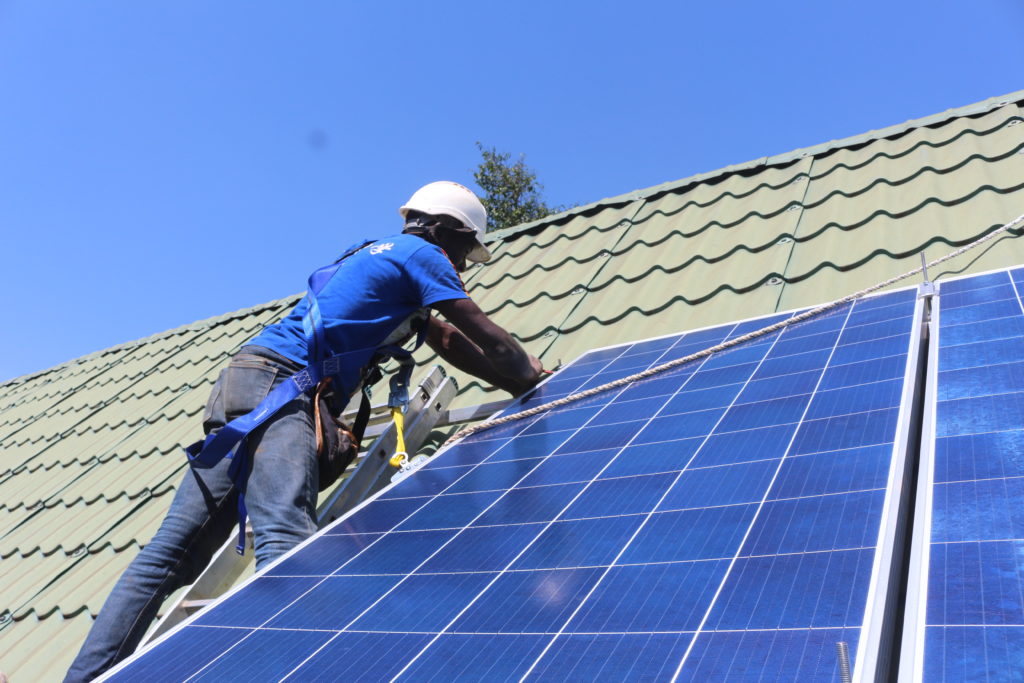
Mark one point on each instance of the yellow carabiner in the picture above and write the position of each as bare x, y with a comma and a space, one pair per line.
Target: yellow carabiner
400, 456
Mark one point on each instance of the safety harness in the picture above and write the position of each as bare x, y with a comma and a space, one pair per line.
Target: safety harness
324, 364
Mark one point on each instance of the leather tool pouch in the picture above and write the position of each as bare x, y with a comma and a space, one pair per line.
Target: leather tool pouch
336, 445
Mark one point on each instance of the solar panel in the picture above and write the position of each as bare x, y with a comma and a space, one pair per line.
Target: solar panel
732, 517
966, 598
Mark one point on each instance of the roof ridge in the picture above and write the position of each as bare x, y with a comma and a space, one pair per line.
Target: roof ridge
974, 109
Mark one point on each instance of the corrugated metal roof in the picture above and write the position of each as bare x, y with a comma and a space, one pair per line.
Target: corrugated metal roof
90, 450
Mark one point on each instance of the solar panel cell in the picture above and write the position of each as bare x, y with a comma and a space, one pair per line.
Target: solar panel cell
330, 603
528, 601
618, 656
794, 591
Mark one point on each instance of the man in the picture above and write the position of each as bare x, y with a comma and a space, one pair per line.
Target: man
368, 298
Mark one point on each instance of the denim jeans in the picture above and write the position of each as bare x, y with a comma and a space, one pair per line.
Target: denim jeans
280, 498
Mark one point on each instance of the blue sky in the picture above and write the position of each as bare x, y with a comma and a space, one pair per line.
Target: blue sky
167, 161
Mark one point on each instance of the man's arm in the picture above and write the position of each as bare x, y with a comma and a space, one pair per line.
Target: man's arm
475, 344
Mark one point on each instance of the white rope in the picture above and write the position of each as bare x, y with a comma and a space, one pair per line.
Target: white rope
650, 372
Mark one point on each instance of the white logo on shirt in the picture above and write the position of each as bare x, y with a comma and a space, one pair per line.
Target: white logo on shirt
381, 248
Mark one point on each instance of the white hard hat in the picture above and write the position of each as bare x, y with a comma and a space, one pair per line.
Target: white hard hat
458, 201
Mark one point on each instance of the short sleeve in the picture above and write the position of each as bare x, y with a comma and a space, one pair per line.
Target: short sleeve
433, 276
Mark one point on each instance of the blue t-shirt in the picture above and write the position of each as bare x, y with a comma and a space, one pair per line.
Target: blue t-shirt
373, 292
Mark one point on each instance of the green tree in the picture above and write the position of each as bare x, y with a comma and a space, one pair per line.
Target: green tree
512, 193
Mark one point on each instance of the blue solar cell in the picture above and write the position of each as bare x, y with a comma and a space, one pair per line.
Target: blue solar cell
779, 387
633, 362
422, 602
833, 472
630, 410
430, 482
449, 511
660, 344
620, 496
707, 337
734, 374
981, 354
331, 604
877, 348
744, 446
528, 601
804, 525
856, 399
531, 446
613, 657
820, 590
846, 431
982, 295
398, 553
362, 656
974, 282
987, 330
654, 458
653, 597
472, 452
765, 413
566, 469
579, 543
791, 365
978, 510
979, 456
380, 515
866, 316
857, 334
814, 342
705, 534
997, 379
796, 655
700, 399
559, 420
877, 370
741, 355
603, 355
832, 322
490, 657
166, 660
493, 476
981, 312
977, 583
534, 504
980, 414
601, 436
264, 655
966, 653
676, 427
483, 549
748, 326
263, 598
323, 557
723, 485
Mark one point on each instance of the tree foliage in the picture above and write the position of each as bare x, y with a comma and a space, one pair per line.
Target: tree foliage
512, 193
